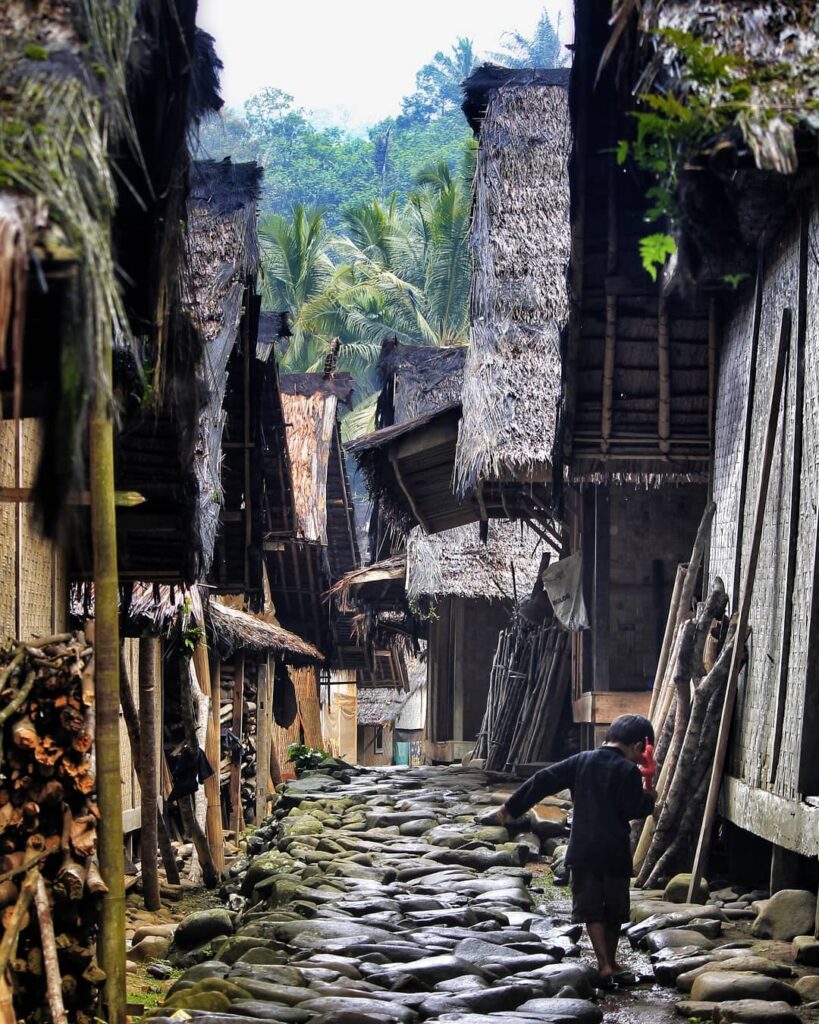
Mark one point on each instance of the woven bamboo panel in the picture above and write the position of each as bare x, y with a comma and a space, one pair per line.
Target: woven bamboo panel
306, 684
8, 537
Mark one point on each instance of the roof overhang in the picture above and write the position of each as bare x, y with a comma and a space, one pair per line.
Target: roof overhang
411, 466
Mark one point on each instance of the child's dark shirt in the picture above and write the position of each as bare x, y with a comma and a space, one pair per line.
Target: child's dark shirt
607, 792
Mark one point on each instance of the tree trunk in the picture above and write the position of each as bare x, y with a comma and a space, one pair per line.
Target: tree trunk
106, 660
148, 781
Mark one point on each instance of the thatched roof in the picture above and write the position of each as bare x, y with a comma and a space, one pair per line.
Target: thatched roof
310, 403
519, 302
377, 705
145, 607
417, 379
223, 256
234, 630
457, 563
377, 583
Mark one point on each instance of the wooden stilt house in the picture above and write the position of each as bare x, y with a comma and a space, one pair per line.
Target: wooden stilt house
669, 385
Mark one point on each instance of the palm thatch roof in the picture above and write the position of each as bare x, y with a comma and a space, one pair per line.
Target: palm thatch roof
378, 583
311, 408
223, 258
457, 563
235, 630
417, 379
519, 302
144, 607
377, 705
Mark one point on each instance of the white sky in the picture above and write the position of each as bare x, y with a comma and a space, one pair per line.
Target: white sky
353, 60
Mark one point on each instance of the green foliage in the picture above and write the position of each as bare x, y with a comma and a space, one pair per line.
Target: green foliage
714, 92
654, 250
734, 280
304, 758
438, 84
34, 52
542, 50
190, 633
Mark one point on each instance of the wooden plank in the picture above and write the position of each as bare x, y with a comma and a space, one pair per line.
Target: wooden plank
132, 820
738, 653
236, 768
600, 594
793, 824
608, 373
746, 441
603, 708
264, 736
458, 671
664, 374
796, 368
410, 500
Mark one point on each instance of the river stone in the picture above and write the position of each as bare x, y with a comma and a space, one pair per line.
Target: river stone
558, 1011
279, 974
202, 925
808, 988
555, 976
191, 999
429, 970
270, 1011
150, 947
231, 949
728, 986
477, 951
677, 889
788, 913
378, 1009
465, 983
417, 827
757, 964
165, 930
696, 1010
755, 1011
478, 859
806, 950
676, 938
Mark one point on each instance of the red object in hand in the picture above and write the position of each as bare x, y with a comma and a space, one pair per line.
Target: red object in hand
648, 766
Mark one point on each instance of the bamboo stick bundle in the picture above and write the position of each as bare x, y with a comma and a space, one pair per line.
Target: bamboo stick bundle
529, 714
48, 828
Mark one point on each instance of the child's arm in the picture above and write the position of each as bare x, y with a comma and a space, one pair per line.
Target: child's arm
543, 783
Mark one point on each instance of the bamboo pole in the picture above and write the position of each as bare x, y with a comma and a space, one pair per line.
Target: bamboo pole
738, 654
106, 660
264, 737
148, 782
236, 767
54, 992
213, 787
668, 640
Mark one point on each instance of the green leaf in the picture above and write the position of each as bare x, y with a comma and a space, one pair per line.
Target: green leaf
735, 280
622, 152
654, 251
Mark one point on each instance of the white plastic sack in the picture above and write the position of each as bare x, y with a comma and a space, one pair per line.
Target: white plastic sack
563, 583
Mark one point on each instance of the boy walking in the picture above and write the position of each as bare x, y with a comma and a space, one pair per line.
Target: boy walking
607, 791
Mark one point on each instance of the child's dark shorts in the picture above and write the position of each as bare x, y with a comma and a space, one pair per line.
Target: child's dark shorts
599, 898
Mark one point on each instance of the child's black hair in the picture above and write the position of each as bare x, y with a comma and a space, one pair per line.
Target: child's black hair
628, 729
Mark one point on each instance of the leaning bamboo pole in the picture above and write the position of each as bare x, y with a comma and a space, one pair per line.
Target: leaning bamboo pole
106, 660
213, 819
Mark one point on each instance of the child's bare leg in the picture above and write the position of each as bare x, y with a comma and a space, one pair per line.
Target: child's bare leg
612, 941
600, 943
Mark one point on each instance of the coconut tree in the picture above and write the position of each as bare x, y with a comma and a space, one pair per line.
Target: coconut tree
543, 49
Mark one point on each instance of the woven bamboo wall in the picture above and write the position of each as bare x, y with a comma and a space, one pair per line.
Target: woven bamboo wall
307, 722
33, 587
753, 737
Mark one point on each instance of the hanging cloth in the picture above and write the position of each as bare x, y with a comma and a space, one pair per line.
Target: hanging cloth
285, 704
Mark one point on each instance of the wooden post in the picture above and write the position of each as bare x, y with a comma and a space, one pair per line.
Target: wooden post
797, 357
148, 781
458, 673
608, 373
264, 736
668, 640
738, 654
600, 599
236, 768
664, 375
215, 726
785, 866
213, 819
106, 663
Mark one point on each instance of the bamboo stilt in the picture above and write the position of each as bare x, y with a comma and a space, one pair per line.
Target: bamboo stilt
213, 819
106, 660
54, 991
148, 781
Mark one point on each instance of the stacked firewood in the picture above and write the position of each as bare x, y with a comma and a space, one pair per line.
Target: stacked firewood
527, 693
686, 710
48, 830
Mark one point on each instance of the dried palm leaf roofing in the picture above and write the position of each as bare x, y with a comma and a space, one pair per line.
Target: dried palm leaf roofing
519, 306
235, 630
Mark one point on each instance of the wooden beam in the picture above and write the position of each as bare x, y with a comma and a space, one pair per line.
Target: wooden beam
236, 727
738, 653
411, 502
749, 414
246, 441
796, 369
213, 753
25, 495
664, 374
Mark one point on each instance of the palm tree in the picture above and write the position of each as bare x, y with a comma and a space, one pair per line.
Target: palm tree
542, 50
